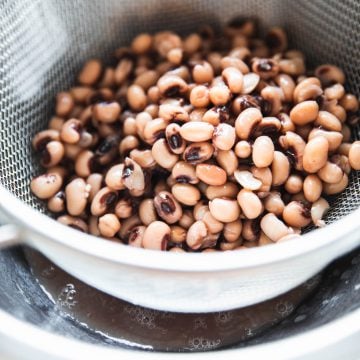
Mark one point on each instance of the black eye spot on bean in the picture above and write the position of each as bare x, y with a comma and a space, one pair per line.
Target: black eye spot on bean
173, 91
128, 170
175, 141
193, 154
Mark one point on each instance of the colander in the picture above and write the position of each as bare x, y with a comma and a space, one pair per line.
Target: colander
43, 45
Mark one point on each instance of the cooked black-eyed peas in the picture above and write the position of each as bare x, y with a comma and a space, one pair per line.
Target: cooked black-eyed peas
187, 146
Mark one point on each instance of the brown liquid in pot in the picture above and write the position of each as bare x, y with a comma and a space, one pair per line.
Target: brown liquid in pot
149, 329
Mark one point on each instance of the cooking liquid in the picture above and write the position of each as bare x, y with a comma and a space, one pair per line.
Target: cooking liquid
149, 329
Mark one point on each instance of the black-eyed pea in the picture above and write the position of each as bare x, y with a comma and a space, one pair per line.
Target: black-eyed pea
334, 138
304, 112
71, 131
172, 86
211, 174
318, 209
177, 234
354, 155
350, 103
202, 72
330, 74
297, 214
183, 172
172, 112
273, 227
280, 168
127, 144
246, 122
274, 204
103, 201
107, 112
265, 175
307, 89
227, 245
93, 226
167, 207
312, 188
265, 68
56, 123
186, 194
294, 146
243, 149
251, 230
147, 79
336, 110
224, 210
214, 226
136, 97
195, 131
263, 151
287, 85
334, 92
133, 176
264, 240
286, 123
224, 136
228, 190
154, 130
123, 70
346, 133
196, 234
293, 67
198, 152
174, 139
246, 179
136, 236
219, 94
52, 154
328, 121
143, 157
81, 93
250, 204
109, 225
232, 231
274, 96
227, 160
123, 208
332, 189
46, 186
187, 219
90, 73
342, 161
192, 43
147, 211
231, 61
153, 110
73, 222
153, 94
156, 236
113, 178
77, 193
127, 225
250, 82
162, 154
233, 78
56, 203
142, 43
64, 104
330, 173
294, 184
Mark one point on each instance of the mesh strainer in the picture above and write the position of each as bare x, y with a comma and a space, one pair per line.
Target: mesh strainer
42, 46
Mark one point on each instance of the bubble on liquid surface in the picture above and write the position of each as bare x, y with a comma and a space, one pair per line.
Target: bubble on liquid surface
49, 272
200, 323
223, 317
144, 317
67, 296
201, 343
284, 308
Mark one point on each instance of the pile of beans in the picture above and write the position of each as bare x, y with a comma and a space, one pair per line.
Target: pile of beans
200, 143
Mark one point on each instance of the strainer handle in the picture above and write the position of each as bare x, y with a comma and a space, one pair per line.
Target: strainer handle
9, 236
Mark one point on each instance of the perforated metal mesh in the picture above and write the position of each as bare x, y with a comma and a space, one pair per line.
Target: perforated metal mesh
44, 43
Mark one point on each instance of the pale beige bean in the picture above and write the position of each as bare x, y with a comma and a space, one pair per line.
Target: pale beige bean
113, 178
77, 193
93, 226
304, 112
289, 237
265, 176
154, 130
308, 89
167, 207
250, 82
227, 160
336, 110
71, 131
56, 203
250, 204
250, 230
214, 226
219, 94
177, 234
334, 138
224, 136
246, 122
187, 219
107, 112
52, 154
224, 210
232, 231
175, 141
147, 211
142, 43
274, 95
143, 157
162, 154
211, 174
132, 176
127, 144
184, 172
185, 193
312, 188
172, 86
136, 236
318, 209
342, 161
156, 236
350, 103
293, 67
265, 240
247, 180
203, 73
109, 225
197, 131
123, 70
286, 123
332, 189
196, 235
263, 151
198, 152
346, 133
330, 173
265, 68
200, 96
228, 190
123, 208
192, 43
328, 121
273, 227
47, 185
295, 146
104, 200
243, 149
90, 73
127, 225
147, 79
129, 126
274, 204
334, 92
297, 214
233, 78
136, 97
294, 184
280, 168
354, 155
171, 112
73, 222
330, 74
287, 85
